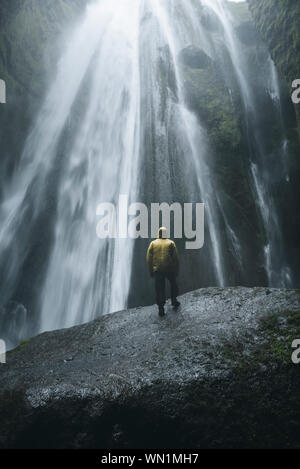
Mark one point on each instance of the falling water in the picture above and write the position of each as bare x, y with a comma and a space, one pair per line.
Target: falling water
102, 164
85, 276
278, 271
116, 108
192, 143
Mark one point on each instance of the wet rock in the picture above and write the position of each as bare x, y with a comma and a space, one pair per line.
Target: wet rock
13, 321
278, 23
194, 57
210, 20
216, 373
247, 33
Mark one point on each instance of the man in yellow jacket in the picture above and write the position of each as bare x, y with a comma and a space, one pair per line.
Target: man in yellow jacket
163, 263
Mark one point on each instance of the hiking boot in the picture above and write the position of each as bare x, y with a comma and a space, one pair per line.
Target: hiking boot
176, 304
161, 311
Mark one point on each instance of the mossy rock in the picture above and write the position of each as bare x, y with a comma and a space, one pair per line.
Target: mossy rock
208, 96
194, 57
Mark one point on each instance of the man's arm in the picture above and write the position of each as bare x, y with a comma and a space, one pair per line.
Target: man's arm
175, 258
149, 258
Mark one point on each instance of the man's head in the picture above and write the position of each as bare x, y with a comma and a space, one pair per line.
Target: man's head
162, 233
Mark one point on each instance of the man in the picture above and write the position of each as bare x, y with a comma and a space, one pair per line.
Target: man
163, 263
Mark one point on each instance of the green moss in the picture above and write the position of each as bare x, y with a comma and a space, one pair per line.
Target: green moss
276, 334
208, 96
24, 342
21, 345
294, 318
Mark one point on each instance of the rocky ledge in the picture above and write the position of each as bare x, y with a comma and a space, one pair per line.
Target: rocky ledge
216, 373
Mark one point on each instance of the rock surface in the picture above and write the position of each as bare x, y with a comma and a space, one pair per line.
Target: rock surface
278, 23
30, 40
194, 57
216, 373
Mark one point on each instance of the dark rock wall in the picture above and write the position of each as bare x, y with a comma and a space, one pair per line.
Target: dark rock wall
27, 29
30, 36
278, 22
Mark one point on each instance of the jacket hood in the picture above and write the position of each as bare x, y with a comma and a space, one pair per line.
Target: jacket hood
163, 233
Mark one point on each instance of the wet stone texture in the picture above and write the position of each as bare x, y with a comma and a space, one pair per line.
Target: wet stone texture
216, 373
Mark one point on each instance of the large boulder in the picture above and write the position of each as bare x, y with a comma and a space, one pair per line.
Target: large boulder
216, 373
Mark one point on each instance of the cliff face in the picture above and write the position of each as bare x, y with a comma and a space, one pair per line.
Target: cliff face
27, 30
30, 37
216, 373
278, 22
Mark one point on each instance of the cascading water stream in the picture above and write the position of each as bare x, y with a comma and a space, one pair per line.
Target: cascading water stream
278, 272
117, 106
102, 165
196, 149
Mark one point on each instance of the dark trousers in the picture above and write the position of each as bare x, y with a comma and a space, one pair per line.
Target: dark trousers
160, 287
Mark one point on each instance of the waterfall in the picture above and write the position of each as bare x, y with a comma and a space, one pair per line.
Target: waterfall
279, 274
192, 143
100, 162
115, 121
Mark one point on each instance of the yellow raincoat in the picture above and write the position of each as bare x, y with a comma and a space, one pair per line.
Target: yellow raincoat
162, 256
